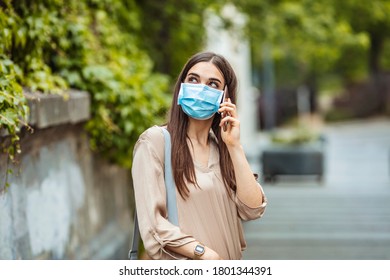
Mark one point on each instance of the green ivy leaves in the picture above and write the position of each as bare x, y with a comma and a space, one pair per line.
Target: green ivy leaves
13, 108
49, 46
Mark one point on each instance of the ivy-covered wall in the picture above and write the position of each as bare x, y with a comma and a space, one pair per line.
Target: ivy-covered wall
50, 46
63, 201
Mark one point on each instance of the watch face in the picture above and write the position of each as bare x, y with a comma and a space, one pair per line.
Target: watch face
199, 249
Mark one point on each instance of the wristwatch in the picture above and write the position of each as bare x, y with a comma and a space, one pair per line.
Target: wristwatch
199, 251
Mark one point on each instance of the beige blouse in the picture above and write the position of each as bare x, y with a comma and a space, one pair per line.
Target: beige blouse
208, 215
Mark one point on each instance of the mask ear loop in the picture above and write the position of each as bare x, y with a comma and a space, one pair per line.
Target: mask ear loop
223, 115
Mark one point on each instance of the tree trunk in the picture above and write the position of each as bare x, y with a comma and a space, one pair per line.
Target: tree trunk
376, 40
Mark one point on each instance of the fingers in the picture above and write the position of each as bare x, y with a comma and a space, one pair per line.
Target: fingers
229, 121
226, 120
228, 115
228, 103
228, 108
227, 111
225, 124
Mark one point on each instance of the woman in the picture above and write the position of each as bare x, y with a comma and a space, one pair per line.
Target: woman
215, 186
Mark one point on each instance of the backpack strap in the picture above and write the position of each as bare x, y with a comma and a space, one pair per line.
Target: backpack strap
169, 181
133, 253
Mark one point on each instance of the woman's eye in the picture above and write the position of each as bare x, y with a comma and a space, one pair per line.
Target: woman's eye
192, 80
213, 84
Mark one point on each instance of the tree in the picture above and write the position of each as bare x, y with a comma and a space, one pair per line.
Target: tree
371, 18
171, 31
306, 37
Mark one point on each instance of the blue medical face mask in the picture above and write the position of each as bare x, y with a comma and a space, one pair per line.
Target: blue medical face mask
199, 101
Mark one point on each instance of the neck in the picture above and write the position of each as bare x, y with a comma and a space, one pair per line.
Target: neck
198, 131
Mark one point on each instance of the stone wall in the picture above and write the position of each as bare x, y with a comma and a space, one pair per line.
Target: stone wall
63, 201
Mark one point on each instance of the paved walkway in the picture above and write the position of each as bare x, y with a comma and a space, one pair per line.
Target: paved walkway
347, 216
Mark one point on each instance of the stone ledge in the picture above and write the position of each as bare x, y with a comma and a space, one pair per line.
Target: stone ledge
50, 109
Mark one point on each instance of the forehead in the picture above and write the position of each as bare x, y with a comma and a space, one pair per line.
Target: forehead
206, 70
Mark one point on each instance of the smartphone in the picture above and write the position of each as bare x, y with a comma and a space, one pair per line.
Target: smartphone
225, 97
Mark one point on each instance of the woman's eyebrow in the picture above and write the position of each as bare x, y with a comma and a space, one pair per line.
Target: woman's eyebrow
198, 76
193, 74
215, 80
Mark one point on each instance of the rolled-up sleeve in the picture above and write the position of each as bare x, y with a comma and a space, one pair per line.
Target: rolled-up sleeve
247, 213
150, 197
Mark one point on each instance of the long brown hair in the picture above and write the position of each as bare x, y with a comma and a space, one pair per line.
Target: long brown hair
183, 169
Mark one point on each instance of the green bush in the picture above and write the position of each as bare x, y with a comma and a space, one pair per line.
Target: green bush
297, 136
91, 45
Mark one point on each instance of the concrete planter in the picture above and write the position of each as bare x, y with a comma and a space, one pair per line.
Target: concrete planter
300, 159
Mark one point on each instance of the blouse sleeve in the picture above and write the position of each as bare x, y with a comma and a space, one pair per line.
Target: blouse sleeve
248, 213
150, 197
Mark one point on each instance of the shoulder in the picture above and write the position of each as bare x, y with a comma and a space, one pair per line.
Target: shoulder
153, 134
152, 139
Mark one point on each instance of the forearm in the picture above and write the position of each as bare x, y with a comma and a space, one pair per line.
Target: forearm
248, 189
